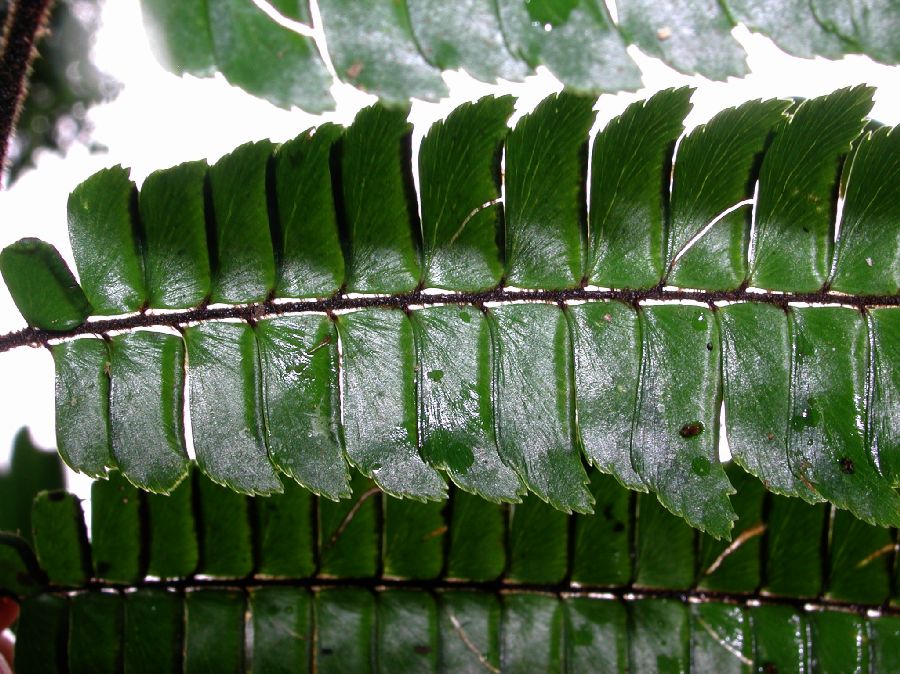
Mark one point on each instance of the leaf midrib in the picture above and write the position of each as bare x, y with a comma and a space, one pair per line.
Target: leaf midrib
418, 298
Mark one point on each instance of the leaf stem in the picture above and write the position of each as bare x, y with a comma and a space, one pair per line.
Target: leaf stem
26, 22
417, 298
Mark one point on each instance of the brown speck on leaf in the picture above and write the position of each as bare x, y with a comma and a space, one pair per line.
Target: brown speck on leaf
422, 650
664, 33
354, 70
770, 437
691, 430
847, 466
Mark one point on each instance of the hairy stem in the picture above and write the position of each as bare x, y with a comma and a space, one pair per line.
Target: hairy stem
26, 22
255, 312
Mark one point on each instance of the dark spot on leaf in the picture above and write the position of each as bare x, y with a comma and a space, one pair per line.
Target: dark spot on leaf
56, 495
464, 316
700, 465
435, 375
691, 430
422, 650
618, 528
770, 437
327, 651
847, 466
769, 668
709, 346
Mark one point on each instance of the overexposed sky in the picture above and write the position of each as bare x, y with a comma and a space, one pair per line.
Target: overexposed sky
160, 120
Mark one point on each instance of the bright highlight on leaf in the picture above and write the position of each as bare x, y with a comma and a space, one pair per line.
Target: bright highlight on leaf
435, 371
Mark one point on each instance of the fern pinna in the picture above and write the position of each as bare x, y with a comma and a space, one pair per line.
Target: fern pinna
397, 50
206, 579
511, 331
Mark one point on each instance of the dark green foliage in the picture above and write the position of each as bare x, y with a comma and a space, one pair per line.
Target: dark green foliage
608, 597
44, 290
501, 389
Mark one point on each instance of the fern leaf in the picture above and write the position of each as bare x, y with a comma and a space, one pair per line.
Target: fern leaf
497, 387
397, 51
385, 584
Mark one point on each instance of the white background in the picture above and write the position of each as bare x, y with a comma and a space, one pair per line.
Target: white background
159, 120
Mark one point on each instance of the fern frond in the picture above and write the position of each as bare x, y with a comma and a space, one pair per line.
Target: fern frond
516, 367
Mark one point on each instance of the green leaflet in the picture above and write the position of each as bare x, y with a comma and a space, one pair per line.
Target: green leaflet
225, 535
375, 178
412, 543
465, 35
781, 638
173, 549
535, 425
173, 220
345, 618
299, 362
31, 470
96, 619
575, 39
213, 631
284, 534
794, 533
756, 372
868, 253
607, 349
537, 542
601, 550
154, 625
374, 49
348, 532
631, 158
250, 49
456, 411
179, 35
243, 260
868, 26
532, 635
60, 538
884, 377
792, 249
545, 219
826, 442
105, 242
307, 244
267, 60
223, 373
711, 175
41, 634
792, 24
476, 541
859, 569
661, 636
672, 565
459, 177
379, 373
44, 290
116, 530
734, 566
279, 616
407, 632
674, 445
146, 404
722, 640
82, 405
596, 635
690, 36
